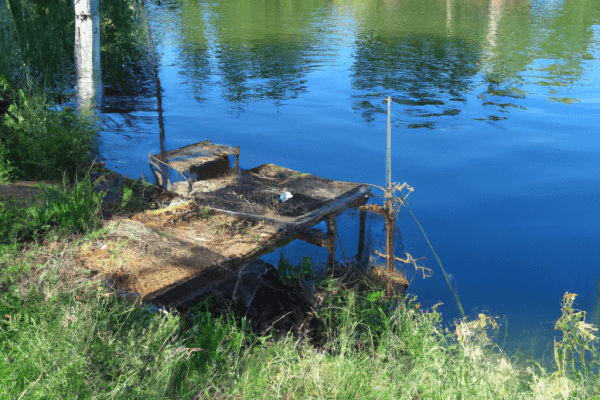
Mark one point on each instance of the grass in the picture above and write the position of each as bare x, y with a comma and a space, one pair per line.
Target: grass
41, 142
85, 343
84, 346
72, 208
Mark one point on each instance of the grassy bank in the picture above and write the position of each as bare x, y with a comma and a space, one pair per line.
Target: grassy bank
63, 334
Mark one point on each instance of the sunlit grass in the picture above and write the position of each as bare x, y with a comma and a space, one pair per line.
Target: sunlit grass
74, 207
85, 343
85, 346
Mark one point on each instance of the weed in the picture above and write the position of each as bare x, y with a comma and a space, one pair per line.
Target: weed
66, 348
127, 192
576, 355
288, 272
41, 142
72, 208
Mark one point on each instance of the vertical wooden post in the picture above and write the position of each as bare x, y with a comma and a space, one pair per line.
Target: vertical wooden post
331, 226
390, 226
361, 236
87, 52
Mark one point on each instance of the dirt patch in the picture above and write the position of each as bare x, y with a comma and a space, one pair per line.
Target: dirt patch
154, 251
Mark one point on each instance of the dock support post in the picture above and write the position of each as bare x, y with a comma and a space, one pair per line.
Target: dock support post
390, 228
237, 159
361, 236
331, 225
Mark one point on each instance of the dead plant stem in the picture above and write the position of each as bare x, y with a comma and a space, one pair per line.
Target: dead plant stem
462, 311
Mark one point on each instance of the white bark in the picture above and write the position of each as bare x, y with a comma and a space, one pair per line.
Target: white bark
87, 53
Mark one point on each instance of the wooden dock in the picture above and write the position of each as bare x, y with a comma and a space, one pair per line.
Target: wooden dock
221, 225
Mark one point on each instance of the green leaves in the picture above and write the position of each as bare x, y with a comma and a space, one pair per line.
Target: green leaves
579, 344
288, 272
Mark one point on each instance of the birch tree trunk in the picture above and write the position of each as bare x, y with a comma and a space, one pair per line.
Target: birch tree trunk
87, 53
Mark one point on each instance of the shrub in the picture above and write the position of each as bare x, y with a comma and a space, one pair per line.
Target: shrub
44, 142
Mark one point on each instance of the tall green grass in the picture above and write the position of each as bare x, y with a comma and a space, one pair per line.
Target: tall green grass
87, 344
71, 208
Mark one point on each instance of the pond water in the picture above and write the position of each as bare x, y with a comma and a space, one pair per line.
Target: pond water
495, 120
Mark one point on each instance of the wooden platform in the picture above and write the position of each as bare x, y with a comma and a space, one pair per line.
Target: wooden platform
253, 195
197, 161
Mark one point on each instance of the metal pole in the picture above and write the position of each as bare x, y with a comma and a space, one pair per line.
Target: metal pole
389, 145
390, 222
331, 225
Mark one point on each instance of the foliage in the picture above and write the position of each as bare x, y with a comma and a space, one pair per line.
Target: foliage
5, 164
576, 355
288, 272
72, 208
43, 140
214, 344
134, 195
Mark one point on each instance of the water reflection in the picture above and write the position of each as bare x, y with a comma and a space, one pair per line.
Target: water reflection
425, 64
258, 50
462, 45
428, 55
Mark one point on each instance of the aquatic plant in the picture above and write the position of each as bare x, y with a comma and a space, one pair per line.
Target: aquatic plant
288, 272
